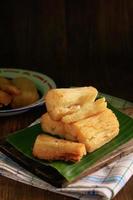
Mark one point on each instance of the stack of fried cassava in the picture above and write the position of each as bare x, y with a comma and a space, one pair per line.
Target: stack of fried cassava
83, 123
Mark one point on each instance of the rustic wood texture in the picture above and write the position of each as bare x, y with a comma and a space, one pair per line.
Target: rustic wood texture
100, 44
32, 36
10, 189
76, 43
19, 191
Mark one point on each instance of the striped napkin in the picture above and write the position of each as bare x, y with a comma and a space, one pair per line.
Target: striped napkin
103, 184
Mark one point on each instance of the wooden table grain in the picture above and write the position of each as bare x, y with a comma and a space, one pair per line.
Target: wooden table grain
13, 190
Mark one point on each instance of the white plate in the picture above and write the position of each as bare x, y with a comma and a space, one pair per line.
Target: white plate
42, 82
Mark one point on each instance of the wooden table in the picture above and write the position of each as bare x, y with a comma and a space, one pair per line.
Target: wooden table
12, 190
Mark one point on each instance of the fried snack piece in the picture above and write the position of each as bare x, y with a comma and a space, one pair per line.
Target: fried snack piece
88, 109
7, 86
54, 127
95, 131
5, 99
64, 101
50, 148
28, 95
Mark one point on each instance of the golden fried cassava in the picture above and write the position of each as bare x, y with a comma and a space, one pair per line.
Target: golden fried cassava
55, 127
50, 148
95, 131
61, 102
87, 109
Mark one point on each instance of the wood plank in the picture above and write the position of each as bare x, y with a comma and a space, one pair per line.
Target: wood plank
100, 45
34, 37
82, 43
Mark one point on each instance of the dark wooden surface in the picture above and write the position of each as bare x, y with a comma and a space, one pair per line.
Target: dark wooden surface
12, 190
75, 42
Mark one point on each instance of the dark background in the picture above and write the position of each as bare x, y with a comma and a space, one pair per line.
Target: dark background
77, 43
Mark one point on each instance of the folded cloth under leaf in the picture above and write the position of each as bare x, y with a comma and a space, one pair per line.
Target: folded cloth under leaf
103, 184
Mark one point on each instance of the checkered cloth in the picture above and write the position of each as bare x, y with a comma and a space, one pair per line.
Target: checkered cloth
103, 184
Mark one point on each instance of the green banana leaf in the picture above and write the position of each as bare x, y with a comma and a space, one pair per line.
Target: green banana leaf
23, 141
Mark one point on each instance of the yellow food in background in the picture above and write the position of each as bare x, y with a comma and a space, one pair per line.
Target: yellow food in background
5, 98
17, 92
28, 92
6, 85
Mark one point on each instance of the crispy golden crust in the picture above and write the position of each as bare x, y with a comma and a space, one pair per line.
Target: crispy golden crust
51, 126
51, 148
60, 102
5, 99
75, 115
28, 92
95, 131
54, 127
87, 109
